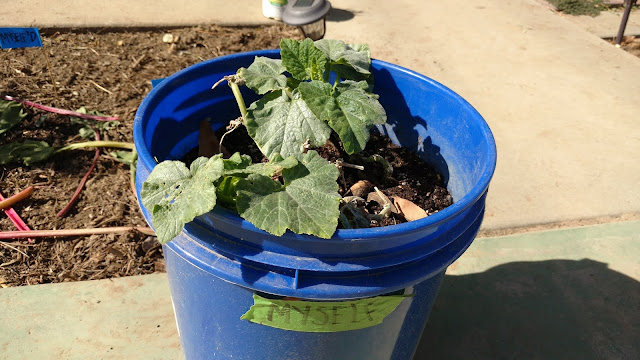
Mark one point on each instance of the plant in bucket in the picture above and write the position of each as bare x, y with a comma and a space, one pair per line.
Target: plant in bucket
324, 226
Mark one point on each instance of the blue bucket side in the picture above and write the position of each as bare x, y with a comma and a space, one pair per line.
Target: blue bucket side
208, 311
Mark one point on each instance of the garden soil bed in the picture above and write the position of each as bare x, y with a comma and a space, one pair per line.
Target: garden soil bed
109, 72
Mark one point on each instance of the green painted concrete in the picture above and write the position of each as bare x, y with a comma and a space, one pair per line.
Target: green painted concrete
562, 294
126, 318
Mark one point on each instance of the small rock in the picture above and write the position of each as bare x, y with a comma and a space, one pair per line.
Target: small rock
120, 43
167, 38
75, 93
149, 243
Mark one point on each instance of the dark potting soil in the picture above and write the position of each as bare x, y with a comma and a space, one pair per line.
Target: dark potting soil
412, 179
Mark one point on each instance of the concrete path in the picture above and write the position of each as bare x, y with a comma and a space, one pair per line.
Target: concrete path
563, 294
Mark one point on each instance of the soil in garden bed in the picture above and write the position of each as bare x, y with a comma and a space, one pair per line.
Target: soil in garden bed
109, 73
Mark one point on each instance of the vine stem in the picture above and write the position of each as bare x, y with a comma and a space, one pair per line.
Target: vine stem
84, 179
95, 144
239, 99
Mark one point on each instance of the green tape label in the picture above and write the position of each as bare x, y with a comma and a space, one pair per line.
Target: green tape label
321, 316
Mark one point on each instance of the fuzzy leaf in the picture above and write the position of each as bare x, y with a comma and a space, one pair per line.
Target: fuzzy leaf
11, 114
351, 111
264, 75
27, 152
279, 124
236, 162
307, 203
175, 195
302, 59
356, 57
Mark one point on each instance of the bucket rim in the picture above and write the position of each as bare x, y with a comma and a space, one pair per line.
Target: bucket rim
339, 235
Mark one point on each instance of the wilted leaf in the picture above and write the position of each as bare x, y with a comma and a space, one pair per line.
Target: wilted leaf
87, 131
409, 210
11, 114
27, 152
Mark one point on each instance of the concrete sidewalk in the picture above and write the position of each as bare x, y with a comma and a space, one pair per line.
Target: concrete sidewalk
563, 294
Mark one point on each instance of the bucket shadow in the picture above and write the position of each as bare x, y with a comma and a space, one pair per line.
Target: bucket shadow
557, 309
416, 138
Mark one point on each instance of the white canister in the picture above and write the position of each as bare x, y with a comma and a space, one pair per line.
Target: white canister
273, 8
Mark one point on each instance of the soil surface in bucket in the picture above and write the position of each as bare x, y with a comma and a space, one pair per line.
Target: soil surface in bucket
108, 72
408, 178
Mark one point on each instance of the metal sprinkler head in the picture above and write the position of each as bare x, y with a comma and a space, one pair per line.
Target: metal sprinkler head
308, 15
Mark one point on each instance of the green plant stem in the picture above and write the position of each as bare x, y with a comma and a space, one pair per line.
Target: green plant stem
335, 84
239, 99
327, 73
95, 144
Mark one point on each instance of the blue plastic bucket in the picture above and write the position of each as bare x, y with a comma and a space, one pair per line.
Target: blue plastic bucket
220, 261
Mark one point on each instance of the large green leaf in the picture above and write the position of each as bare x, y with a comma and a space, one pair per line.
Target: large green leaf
264, 75
10, 115
175, 194
281, 125
302, 59
27, 152
307, 202
350, 110
356, 57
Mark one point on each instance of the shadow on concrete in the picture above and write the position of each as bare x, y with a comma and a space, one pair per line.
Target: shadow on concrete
340, 15
557, 309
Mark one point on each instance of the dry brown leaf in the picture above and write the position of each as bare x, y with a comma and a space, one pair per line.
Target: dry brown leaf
208, 142
361, 188
410, 210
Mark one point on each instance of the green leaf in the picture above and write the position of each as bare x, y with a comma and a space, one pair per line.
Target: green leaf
11, 114
351, 111
307, 203
27, 152
302, 59
279, 124
87, 131
235, 162
226, 191
264, 75
125, 157
175, 195
356, 57
240, 165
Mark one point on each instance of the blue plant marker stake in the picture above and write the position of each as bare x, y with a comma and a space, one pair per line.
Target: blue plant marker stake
11, 38
155, 82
